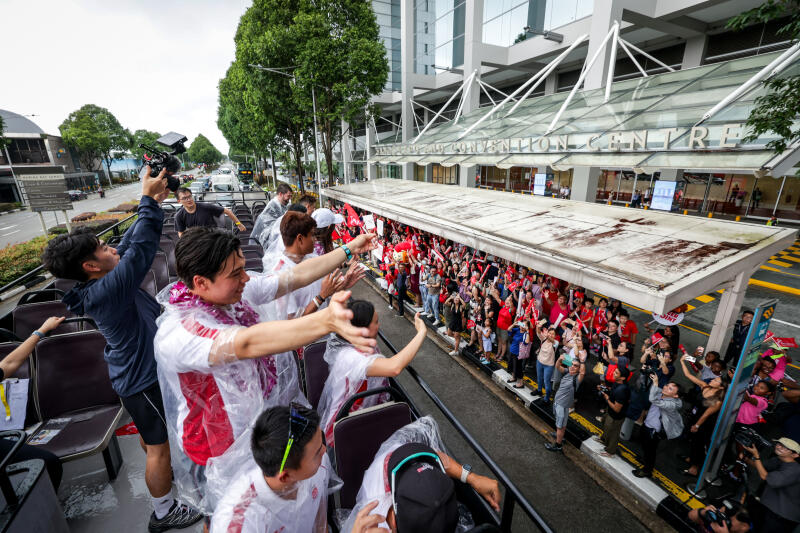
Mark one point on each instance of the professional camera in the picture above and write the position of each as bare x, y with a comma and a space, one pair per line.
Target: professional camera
603, 389
159, 159
748, 437
648, 371
719, 517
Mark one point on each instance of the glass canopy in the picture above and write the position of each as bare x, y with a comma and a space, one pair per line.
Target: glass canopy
654, 122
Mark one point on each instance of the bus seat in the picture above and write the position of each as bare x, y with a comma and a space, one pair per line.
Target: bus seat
71, 381
316, 371
358, 437
149, 284
28, 317
160, 268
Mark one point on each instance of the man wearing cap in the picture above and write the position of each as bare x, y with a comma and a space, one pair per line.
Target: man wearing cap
412, 482
781, 497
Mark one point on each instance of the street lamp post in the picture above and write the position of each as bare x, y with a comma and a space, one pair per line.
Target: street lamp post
314, 107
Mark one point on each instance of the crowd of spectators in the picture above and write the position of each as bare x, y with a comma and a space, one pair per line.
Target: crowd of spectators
536, 324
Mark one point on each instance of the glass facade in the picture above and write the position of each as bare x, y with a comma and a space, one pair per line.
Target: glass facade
445, 175
438, 34
24, 151
387, 13
389, 171
504, 21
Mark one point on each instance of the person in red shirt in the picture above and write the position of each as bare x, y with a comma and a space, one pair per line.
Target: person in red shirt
504, 320
627, 328
560, 308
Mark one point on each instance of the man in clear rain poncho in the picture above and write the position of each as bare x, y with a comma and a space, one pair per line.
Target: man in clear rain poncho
273, 241
274, 209
352, 370
289, 478
409, 485
212, 351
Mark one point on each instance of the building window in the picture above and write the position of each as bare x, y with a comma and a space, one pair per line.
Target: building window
31, 151
445, 175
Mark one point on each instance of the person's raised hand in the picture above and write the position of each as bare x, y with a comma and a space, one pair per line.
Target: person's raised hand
419, 324
339, 317
353, 274
51, 323
153, 186
486, 487
368, 523
363, 243
331, 283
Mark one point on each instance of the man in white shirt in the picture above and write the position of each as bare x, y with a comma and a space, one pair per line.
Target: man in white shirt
285, 487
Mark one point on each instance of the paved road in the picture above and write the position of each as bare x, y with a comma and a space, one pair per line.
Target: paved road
24, 225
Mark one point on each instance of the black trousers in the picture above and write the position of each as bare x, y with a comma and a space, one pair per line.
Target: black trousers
519, 367
650, 440
401, 297
26, 452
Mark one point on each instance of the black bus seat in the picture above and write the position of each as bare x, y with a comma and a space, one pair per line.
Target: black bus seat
71, 381
359, 435
149, 283
253, 247
316, 370
160, 268
64, 284
28, 317
50, 294
254, 263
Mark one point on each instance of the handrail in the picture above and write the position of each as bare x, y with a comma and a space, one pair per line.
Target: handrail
513, 494
30, 274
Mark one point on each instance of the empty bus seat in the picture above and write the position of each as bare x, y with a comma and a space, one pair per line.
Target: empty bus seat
50, 294
254, 263
64, 284
160, 268
28, 317
358, 436
316, 370
71, 382
253, 247
149, 284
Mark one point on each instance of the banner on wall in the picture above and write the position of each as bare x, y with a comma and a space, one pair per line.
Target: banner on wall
663, 194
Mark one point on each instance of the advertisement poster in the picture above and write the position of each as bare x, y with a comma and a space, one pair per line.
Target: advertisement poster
663, 193
539, 183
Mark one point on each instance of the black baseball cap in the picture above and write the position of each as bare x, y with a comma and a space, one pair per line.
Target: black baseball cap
425, 497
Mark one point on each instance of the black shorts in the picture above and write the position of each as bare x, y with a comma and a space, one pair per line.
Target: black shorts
147, 411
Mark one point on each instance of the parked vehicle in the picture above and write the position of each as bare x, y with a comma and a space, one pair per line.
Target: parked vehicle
75, 195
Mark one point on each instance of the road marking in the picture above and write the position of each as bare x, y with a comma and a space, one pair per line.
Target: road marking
774, 286
779, 263
790, 258
786, 323
9, 227
705, 298
10, 233
763, 267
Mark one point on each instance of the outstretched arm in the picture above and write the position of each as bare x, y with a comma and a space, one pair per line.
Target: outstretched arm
14, 360
390, 367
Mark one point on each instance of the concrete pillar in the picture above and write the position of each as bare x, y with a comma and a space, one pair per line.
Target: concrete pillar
727, 312
371, 169
671, 174
429, 173
466, 175
584, 183
473, 40
344, 144
406, 72
603, 17
551, 83
695, 51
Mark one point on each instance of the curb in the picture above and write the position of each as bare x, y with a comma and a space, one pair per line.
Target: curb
13, 211
645, 492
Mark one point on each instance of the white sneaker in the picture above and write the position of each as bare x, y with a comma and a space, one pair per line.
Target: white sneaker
454, 352
391, 307
436, 323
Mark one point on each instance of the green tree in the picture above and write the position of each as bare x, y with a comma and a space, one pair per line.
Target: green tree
96, 134
3, 140
339, 54
777, 110
202, 151
143, 137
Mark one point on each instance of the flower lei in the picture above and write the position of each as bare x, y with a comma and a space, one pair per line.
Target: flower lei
182, 298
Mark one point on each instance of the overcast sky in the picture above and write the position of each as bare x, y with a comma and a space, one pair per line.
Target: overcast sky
154, 64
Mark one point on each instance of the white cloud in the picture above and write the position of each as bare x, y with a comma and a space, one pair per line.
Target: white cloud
153, 64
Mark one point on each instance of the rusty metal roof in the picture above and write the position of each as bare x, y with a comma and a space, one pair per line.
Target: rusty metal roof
651, 259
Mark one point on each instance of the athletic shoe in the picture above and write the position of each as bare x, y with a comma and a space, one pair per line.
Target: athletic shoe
179, 516
391, 307
435, 323
484, 361
553, 447
641, 473
454, 352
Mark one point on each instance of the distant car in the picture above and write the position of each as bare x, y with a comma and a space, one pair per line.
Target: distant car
196, 188
76, 195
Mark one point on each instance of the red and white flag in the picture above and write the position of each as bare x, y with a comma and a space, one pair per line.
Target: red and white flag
352, 218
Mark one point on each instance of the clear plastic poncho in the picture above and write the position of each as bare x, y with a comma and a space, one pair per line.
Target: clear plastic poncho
211, 398
265, 221
251, 506
376, 483
347, 376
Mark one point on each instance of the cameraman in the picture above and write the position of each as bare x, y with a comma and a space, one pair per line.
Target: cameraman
193, 214
707, 520
617, 400
108, 292
781, 497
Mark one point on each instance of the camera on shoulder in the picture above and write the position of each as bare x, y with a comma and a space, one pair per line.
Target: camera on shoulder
159, 159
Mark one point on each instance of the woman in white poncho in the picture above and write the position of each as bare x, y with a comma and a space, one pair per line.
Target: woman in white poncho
352, 371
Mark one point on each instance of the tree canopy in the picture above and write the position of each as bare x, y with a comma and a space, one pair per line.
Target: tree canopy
96, 134
142, 137
778, 109
202, 151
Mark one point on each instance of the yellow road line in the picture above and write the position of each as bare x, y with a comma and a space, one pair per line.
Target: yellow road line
772, 269
779, 263
774, 286
720, 291
689, 307
705, 298
790, 258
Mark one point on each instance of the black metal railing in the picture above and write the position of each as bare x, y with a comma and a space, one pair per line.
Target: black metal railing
513, 495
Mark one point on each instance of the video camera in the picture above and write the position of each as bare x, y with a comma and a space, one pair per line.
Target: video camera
166, 160
748, 437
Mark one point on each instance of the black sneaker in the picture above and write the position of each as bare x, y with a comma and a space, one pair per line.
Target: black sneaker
179, 516
553, 447
551, 434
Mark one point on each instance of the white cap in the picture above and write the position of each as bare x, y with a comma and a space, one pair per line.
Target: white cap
325, 217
